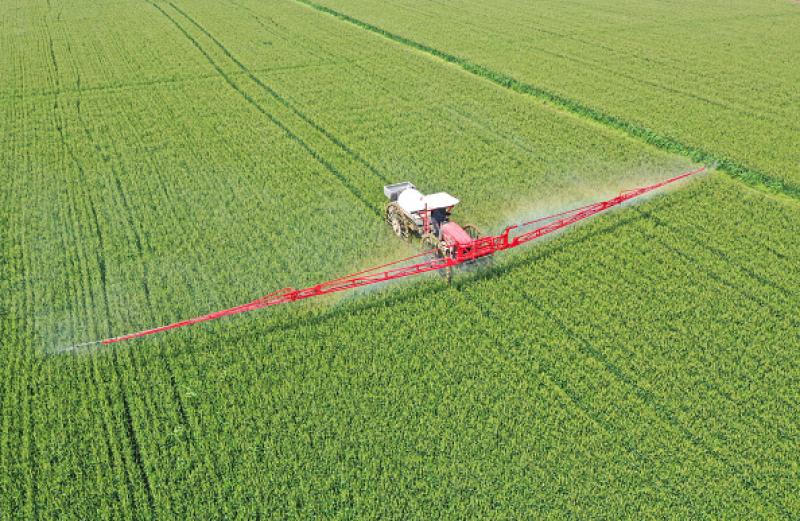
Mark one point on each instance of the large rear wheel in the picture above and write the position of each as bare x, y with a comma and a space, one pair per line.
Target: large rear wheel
396, 219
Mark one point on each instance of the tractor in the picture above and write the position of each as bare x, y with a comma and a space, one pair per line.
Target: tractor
413, 215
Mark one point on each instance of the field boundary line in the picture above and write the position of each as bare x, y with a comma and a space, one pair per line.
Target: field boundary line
745, 111
750, 176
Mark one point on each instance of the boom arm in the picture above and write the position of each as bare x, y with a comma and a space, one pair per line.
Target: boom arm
478, 248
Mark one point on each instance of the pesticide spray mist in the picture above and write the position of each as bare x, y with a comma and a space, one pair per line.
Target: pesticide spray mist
575, 195
573, 191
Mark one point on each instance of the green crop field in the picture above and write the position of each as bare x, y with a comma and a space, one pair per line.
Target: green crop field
162, 159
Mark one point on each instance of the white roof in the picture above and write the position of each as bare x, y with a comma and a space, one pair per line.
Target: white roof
412, 201
439, 200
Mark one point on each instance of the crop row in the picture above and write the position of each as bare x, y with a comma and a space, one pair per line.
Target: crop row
221, 153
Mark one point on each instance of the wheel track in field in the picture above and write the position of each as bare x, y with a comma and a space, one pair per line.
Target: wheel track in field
314, 153
354, 191
546, 372
84, 294
722, 282
80, 262
126, 410
741, 172
716, 388
114, 457
368, 75
652, 401
371, 75
283, 101
139, 244
729, 286
647, 397
761, 279
748, 272
220, 72
130, 432
470, 119
127, 419
693, 261
663, 412
769, 247
183, 414
133, 442
712, 274
444, 108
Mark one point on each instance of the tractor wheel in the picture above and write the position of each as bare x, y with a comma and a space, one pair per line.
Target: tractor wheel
396, 219
472, 231
432, 244
483, 262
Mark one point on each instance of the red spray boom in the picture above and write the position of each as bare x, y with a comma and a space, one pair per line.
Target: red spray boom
511, 237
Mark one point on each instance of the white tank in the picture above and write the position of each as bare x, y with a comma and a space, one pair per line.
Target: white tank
411, 200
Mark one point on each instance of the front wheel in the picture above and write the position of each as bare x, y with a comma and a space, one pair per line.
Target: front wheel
481, 262
472, 231
433, 245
